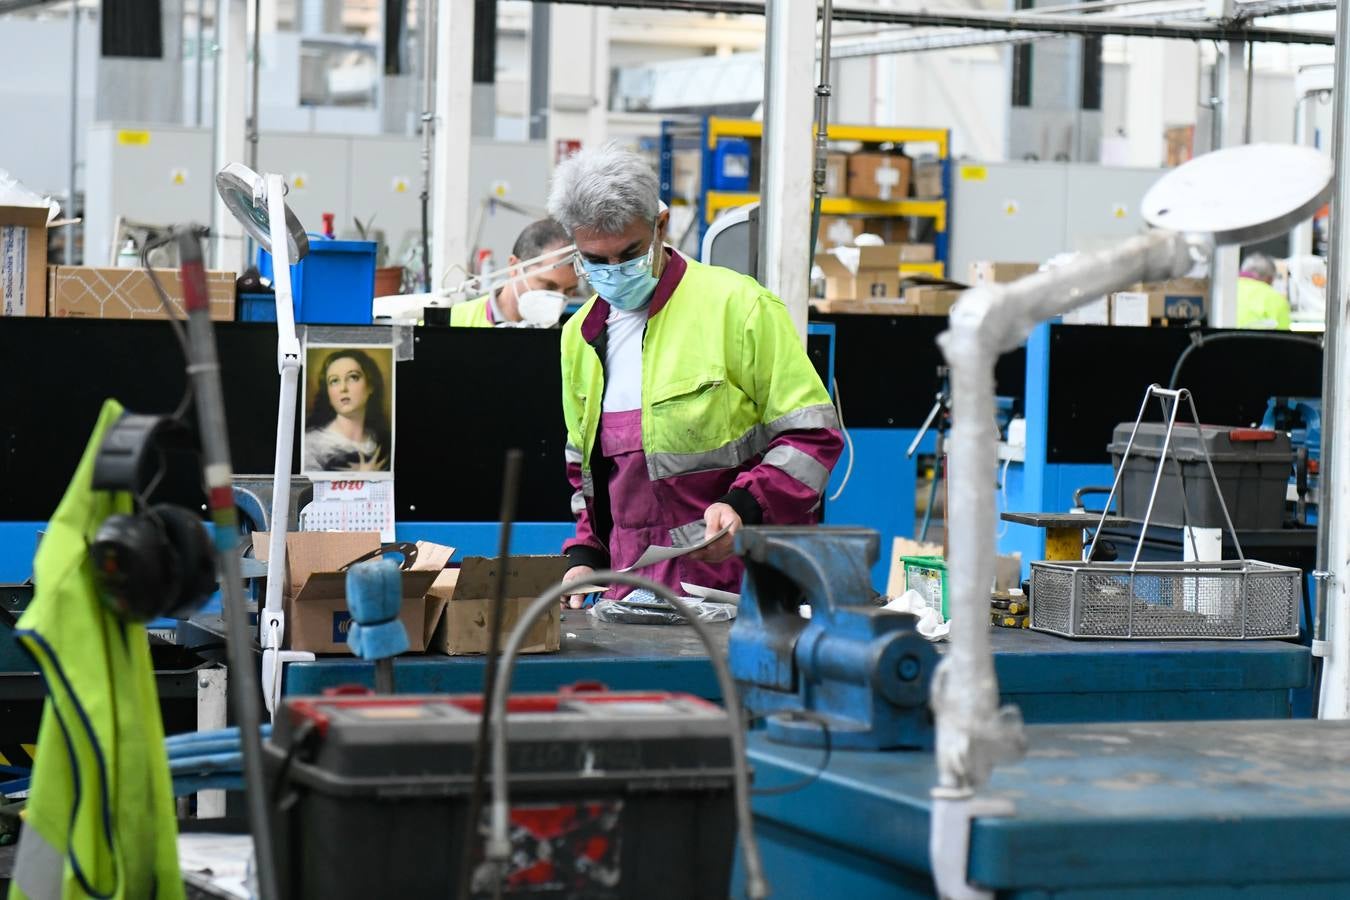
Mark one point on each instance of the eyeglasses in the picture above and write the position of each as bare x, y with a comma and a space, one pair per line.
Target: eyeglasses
638, 265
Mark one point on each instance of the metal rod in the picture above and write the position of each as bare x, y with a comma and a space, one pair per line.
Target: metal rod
428, 28
1247, 120
1115, 484
1157, 476
1019, 21
1214, 479
823, 97
253, 103
74, 126
204, 370
510, 497
201, 69
384, 676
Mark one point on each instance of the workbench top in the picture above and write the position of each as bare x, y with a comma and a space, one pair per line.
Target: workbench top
1053, 679
1099, 806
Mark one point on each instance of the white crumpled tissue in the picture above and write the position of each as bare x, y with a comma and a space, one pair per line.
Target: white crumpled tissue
930, 624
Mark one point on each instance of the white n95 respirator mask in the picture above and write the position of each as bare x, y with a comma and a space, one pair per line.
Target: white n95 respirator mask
541, 309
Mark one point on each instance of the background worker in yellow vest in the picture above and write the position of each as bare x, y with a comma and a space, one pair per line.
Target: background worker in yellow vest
690, 403
1258, 304
504, 304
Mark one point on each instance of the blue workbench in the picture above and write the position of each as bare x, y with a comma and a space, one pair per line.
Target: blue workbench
1208, 809
1052, 679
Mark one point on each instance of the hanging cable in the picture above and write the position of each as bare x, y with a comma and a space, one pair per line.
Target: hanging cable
848, 441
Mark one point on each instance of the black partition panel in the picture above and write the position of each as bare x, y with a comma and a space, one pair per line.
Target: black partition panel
463, 400
886, 367
1098, 376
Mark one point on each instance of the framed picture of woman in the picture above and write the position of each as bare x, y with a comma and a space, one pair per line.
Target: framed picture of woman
348, 412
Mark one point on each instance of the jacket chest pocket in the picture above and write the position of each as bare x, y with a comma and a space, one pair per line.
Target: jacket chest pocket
691, 414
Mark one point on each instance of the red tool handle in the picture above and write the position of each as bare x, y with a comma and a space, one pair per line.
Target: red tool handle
1245, 435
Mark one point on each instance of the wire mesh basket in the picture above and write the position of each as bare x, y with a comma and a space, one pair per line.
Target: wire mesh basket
1216, 600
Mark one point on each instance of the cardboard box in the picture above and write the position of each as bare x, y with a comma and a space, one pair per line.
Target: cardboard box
1007, 569
1181, 299
878, 176
932, 300
917, 253
836, 175
877, 278
1097, 312
928, 180
891, 229
838, 231
893, 307
467, 596
985, 272
86, 292
315, 592
23, 261
1130, 309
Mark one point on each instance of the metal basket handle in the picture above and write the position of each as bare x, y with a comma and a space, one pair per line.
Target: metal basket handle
1175, 396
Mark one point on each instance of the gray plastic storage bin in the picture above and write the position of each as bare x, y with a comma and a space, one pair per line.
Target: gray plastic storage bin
1252, 465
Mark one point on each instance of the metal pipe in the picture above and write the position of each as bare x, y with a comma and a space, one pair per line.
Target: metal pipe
197, 82
428, 29
253, 103
74, 126
973, 733
204, 370
823, 98
1247, 119
1019, 20
540, 28
1332, 631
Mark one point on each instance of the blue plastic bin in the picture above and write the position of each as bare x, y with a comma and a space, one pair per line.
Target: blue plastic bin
257, 307
731, 165
334, 284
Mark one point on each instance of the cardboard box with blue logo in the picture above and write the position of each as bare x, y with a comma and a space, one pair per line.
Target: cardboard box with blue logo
445, 610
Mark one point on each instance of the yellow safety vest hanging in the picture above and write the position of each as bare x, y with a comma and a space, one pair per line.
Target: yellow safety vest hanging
100, 817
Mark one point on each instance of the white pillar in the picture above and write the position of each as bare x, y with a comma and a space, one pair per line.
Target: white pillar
450, 161
1223, 271
578, 75
785, 189
231, 105
1144, 115
1333, 545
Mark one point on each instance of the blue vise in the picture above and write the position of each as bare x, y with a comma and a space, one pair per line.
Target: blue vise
857, 670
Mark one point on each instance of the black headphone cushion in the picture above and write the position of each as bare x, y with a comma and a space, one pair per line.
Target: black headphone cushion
195, 558
133, 568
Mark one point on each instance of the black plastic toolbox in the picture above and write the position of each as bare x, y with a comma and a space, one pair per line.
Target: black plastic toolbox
613, 795
1252, 466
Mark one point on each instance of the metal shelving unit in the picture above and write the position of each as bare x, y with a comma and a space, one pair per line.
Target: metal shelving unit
704, 134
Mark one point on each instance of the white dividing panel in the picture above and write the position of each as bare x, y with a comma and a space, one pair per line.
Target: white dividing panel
156, 174
318, 170
386, 185
1029, 212
1102, 204
1010, 212
522, 170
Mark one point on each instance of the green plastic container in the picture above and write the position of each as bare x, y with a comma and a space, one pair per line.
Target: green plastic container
928, 576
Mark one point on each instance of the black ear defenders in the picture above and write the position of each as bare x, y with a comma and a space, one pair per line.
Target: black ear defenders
159, 561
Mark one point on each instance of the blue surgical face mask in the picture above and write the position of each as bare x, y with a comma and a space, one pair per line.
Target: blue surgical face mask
628, 285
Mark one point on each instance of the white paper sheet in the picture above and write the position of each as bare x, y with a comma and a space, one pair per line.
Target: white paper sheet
653, 555
713, 594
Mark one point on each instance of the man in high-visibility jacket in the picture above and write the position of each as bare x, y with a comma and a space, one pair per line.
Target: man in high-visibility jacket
689, 400
503, 304
1258, 304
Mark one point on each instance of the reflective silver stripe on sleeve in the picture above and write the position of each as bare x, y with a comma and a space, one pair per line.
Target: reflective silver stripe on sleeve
688, 535
38, 866
747, 446
572, 454
578, 503
587, 484
801, 466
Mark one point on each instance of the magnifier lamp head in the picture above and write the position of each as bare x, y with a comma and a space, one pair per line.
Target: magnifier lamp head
244, 192
1241, 195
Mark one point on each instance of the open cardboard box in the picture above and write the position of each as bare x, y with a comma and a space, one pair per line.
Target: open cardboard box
466, 593
315, 591
23, 260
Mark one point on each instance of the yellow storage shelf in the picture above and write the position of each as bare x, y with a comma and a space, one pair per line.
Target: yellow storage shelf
868, 134
935, 269
840, 206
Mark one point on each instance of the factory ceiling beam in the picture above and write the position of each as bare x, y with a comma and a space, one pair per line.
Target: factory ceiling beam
1214, 31
10, 6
